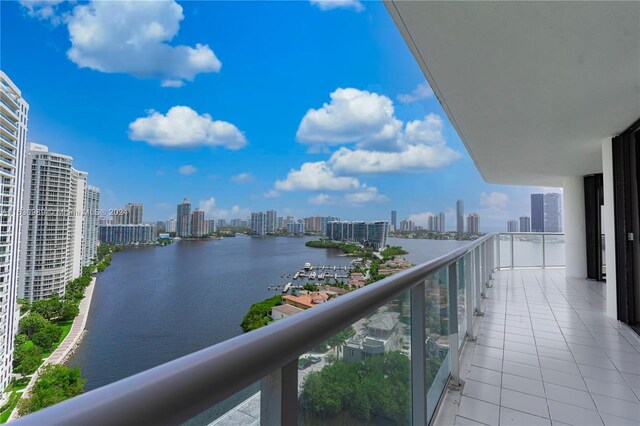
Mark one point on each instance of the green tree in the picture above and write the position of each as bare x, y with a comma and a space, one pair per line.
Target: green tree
48, 308
47, 337
27, 358
258, 315
56, 384
32, 323
20, 340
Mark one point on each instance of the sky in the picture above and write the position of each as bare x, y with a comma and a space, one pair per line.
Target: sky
307, 107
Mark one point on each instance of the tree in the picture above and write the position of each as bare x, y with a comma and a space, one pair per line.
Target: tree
20, 340
70, 309
56, 384
48, 308
32, 323
27, 358
47, 337
258, 315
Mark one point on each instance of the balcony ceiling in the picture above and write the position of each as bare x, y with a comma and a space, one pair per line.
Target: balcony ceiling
532, 88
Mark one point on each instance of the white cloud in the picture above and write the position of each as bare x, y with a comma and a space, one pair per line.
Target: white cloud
421, 219
322, 199
422, 91
43, 9
316, 177
414, 158
367, 195
183, 127
245, 177
494, 201
352, 116
338, 4
130, 36
211, 210
272, 193
187, 169
427, 131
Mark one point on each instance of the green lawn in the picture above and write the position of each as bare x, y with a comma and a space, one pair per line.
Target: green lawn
9, 406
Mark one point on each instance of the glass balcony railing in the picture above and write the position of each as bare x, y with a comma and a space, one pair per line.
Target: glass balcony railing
383, 354
530, 249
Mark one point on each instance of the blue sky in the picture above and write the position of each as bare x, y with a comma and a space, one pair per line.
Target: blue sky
305, 107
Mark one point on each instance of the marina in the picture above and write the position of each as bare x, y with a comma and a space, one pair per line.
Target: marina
309, 274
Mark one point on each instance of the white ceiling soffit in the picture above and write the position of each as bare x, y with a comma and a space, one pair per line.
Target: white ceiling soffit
533, 88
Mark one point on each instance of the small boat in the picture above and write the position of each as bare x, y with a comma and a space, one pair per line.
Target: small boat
312, 276
286, 287
296, 275
307, 266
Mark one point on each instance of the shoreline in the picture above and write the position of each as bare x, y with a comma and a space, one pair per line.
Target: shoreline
68, 346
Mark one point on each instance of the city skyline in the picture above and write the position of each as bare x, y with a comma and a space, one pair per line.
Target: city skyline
360, 172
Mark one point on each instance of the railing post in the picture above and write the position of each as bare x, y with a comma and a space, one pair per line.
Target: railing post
513, 261
418, 356
470, 297
544, 260
279, 396
454, 349
498, 252
479, 292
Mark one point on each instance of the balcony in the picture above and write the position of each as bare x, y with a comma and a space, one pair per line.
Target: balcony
529, 346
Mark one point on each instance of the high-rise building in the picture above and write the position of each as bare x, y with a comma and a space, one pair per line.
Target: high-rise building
271, 222
51, 252
460, 217
171, 225
280, 222
128, 234
431, 223
183, 219
197, 223
134, 213
211, 226
14, 114
119, 217
441, 224
394, 220
525, 224
537, 212
377, 234
552, 212
296, 228
221, 223
258, 223
90, 224
512, 225
473, 223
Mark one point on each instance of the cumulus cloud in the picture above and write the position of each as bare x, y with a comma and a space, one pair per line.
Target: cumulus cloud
422, 91
44, 9
414, 158
427, 131
338, 4
316, 177
211, 210
245, 177
367, 195
352, 116
494, 200
322, 199
130, 36
184, 127
187, 169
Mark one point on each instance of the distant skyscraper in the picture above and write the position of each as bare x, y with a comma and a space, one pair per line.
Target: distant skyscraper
90, 224
431, 224
258, 223
460, 216
211, 226
183, 219
441, 224
272, 222
537, 212
280, 222
14, 114
473, 223
171, 225
525, 224
128, 234
197, 223
134, 213
394, 220
51, 252
221, 223
512, 225
552, 212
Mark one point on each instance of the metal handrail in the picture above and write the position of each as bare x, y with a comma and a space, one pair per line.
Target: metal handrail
178, 390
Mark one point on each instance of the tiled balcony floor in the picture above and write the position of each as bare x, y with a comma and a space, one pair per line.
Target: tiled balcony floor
547, 354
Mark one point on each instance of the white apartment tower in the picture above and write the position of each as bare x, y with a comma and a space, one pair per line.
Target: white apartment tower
14, 113
52, 241
90, 224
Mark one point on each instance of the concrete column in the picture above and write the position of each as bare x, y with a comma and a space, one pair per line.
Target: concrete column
609, 228
575, 238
